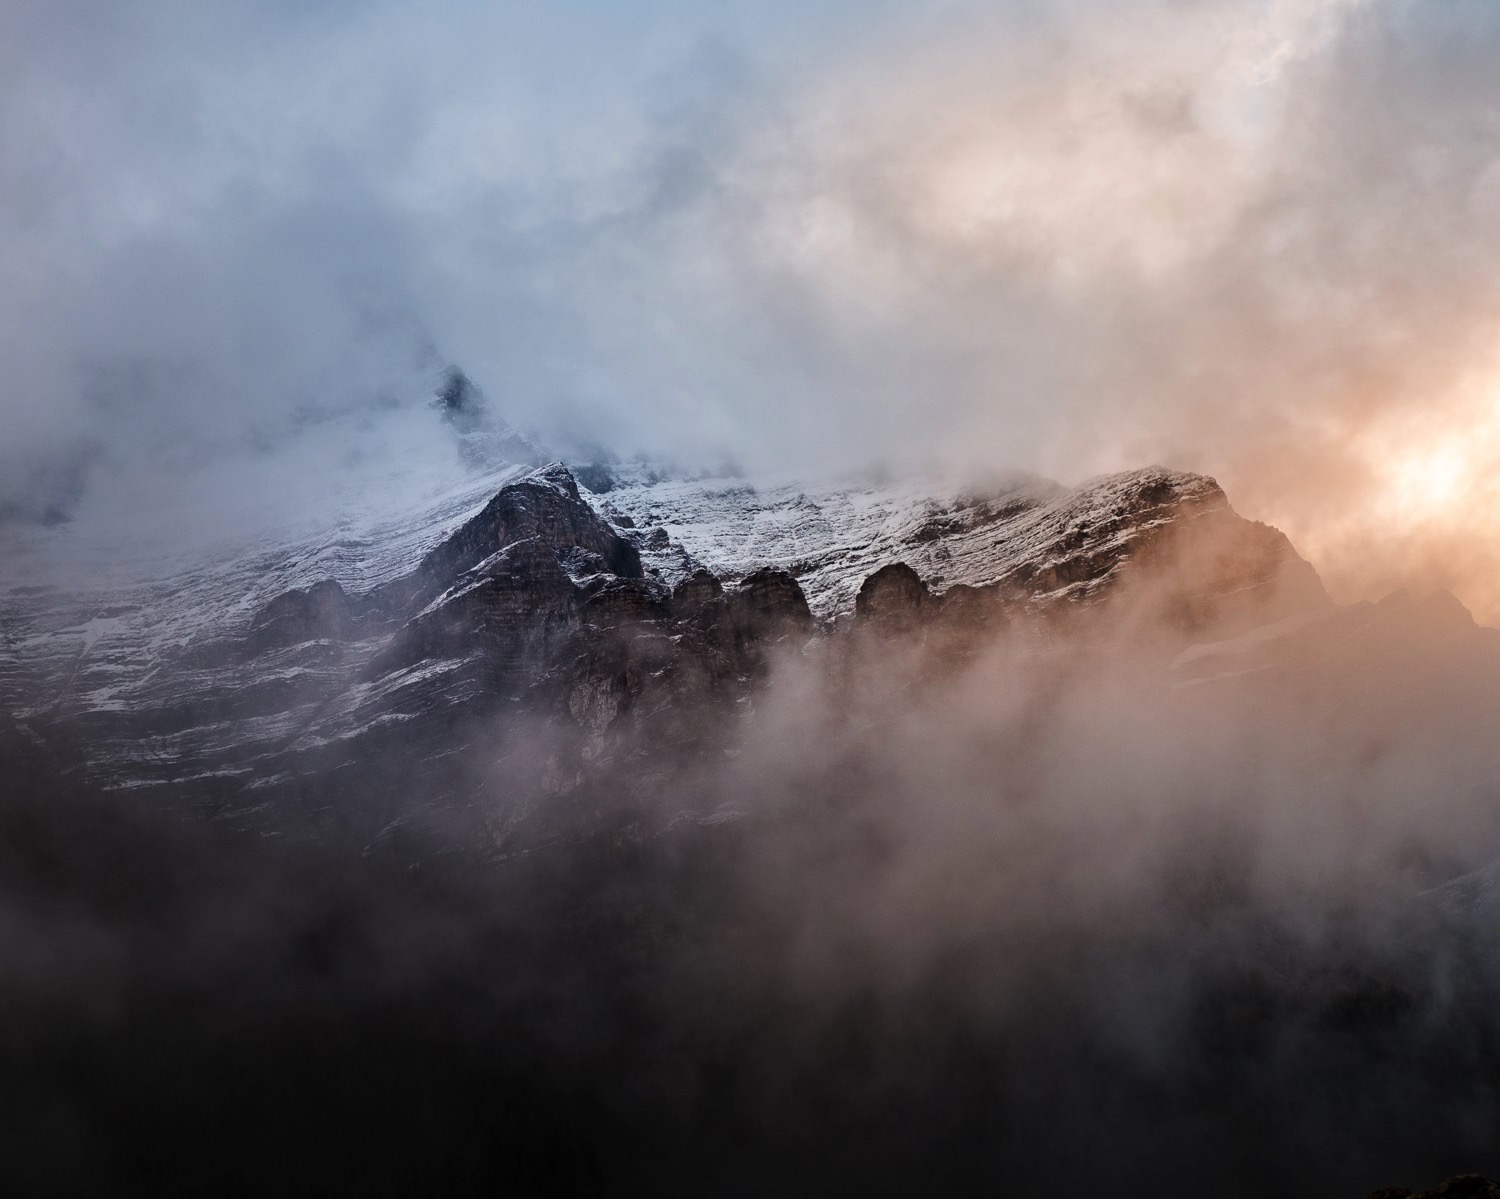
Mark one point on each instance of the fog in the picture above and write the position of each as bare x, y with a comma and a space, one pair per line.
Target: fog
1250, 239
1054, 907
1053, 910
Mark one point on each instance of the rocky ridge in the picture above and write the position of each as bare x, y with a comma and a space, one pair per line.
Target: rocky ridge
626, 616
537, 655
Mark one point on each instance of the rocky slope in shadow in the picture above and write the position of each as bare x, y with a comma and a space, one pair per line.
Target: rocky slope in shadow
551, 606
490, 965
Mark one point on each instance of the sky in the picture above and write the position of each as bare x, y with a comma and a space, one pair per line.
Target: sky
1252, 238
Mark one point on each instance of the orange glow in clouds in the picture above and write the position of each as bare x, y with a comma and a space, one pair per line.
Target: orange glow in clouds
1430, 512
1442, 473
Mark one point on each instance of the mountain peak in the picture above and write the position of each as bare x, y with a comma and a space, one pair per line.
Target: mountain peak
485, 438
441, 609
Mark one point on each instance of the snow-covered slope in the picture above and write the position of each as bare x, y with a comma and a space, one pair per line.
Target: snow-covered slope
145, 653
1051, 542
94, 626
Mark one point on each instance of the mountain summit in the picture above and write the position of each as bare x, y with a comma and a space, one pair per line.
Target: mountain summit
253, 677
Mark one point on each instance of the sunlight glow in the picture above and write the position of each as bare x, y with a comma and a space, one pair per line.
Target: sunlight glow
1442, 479
1431, 480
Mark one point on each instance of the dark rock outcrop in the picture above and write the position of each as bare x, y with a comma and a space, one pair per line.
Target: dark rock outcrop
770, 601
598, 477
975, 608
1170, 546
544, 506
611, 602
643, 691
516, 580
894, 594
320, 612
483, 437
539, 585
514, 608
766, 608
691, 595
539, 599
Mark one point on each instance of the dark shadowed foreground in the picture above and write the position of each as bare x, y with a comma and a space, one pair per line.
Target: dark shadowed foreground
1136, 867
1039, 924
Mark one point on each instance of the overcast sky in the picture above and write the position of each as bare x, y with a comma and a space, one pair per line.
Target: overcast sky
1256, 239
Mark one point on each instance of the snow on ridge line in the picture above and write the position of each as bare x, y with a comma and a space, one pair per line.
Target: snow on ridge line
832, 538
85, 656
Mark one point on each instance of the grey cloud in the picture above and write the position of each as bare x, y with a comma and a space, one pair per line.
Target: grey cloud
1245, 239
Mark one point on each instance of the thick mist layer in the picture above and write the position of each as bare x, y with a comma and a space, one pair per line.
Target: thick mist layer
1061, 907
469, 840
1242, 238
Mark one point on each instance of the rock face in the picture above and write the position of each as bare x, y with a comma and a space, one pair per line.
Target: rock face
1029, 540
550, 603
544, 507
893, 594
514, 607
483, 436
530, 665
320, 612
768, 603
694, 593
643, 620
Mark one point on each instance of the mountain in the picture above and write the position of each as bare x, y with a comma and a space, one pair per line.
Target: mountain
602, 829
631, 613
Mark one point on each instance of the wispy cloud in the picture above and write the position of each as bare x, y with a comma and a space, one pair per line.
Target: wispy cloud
1247, 238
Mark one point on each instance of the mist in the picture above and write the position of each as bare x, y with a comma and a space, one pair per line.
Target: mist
1056, 905
1052, 903
1246, 239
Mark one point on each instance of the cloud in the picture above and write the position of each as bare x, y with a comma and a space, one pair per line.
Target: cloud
1243, 238
1032, 913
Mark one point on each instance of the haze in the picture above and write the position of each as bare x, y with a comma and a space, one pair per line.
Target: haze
1250, 239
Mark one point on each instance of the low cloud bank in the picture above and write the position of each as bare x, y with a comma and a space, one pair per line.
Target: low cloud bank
1239, 238
1051, 915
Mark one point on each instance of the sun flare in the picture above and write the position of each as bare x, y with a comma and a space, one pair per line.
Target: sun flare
1440, 471
1427, 483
